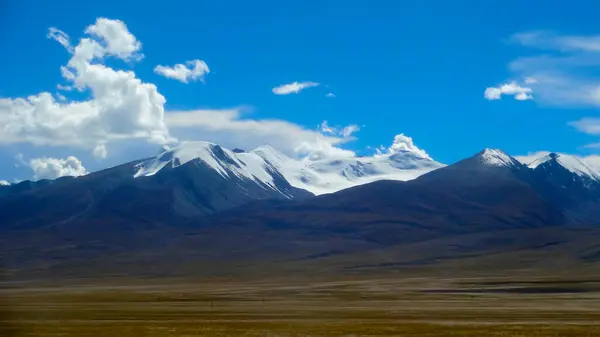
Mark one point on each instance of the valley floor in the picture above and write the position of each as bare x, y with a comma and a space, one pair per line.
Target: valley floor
352, 307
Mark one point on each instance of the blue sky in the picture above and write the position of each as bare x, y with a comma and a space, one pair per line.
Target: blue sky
415, 67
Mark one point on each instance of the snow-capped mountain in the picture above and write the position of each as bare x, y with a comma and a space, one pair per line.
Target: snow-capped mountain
569, 163
228, 164
196, 179
497, 157
403, 161
493, 161
569, 183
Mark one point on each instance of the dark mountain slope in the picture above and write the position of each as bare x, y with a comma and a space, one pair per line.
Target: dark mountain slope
571, 185
469, 196
184, 216
174, 193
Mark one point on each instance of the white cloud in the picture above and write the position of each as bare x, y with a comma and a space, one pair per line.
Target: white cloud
121, 106
564, 67
403, 143
511, 89
4, 183
587, 125
20, 161
293, 88
60, 37
530, 80
347, 131
592, 146
566, 72
330, 95
116, 38
190, 71
343, 132
231, 129
100, 151
325, 128
64, 87
548, 40
52, 168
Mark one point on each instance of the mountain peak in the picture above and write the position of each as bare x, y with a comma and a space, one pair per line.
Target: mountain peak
570, 163
265, 148
496, 157
270, 154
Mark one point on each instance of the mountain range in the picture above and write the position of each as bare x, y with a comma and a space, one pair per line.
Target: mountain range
201, 202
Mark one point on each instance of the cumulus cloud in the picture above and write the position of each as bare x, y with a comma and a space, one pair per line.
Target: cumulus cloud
403, 143
52, 168
330, 95
121, 105
293, 88
230, 128
511, 89
190, 71
115, 38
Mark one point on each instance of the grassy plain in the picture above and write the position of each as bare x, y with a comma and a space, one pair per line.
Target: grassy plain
386, 306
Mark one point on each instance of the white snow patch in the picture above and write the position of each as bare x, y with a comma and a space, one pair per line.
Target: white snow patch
319, 176
243, 165
4, 183
571, 163
496, 157
326, 175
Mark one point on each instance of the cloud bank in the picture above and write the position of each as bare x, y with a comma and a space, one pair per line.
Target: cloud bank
231, 128
121, 105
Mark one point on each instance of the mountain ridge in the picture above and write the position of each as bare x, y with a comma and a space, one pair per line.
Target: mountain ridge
193, 212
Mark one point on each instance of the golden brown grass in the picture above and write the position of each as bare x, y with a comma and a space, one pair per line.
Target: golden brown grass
373, 307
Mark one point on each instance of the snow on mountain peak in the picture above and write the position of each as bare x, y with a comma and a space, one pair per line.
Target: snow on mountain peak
497, 157
323, 174
225, 162
4, 183
404, 143
571, 163
271, 155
